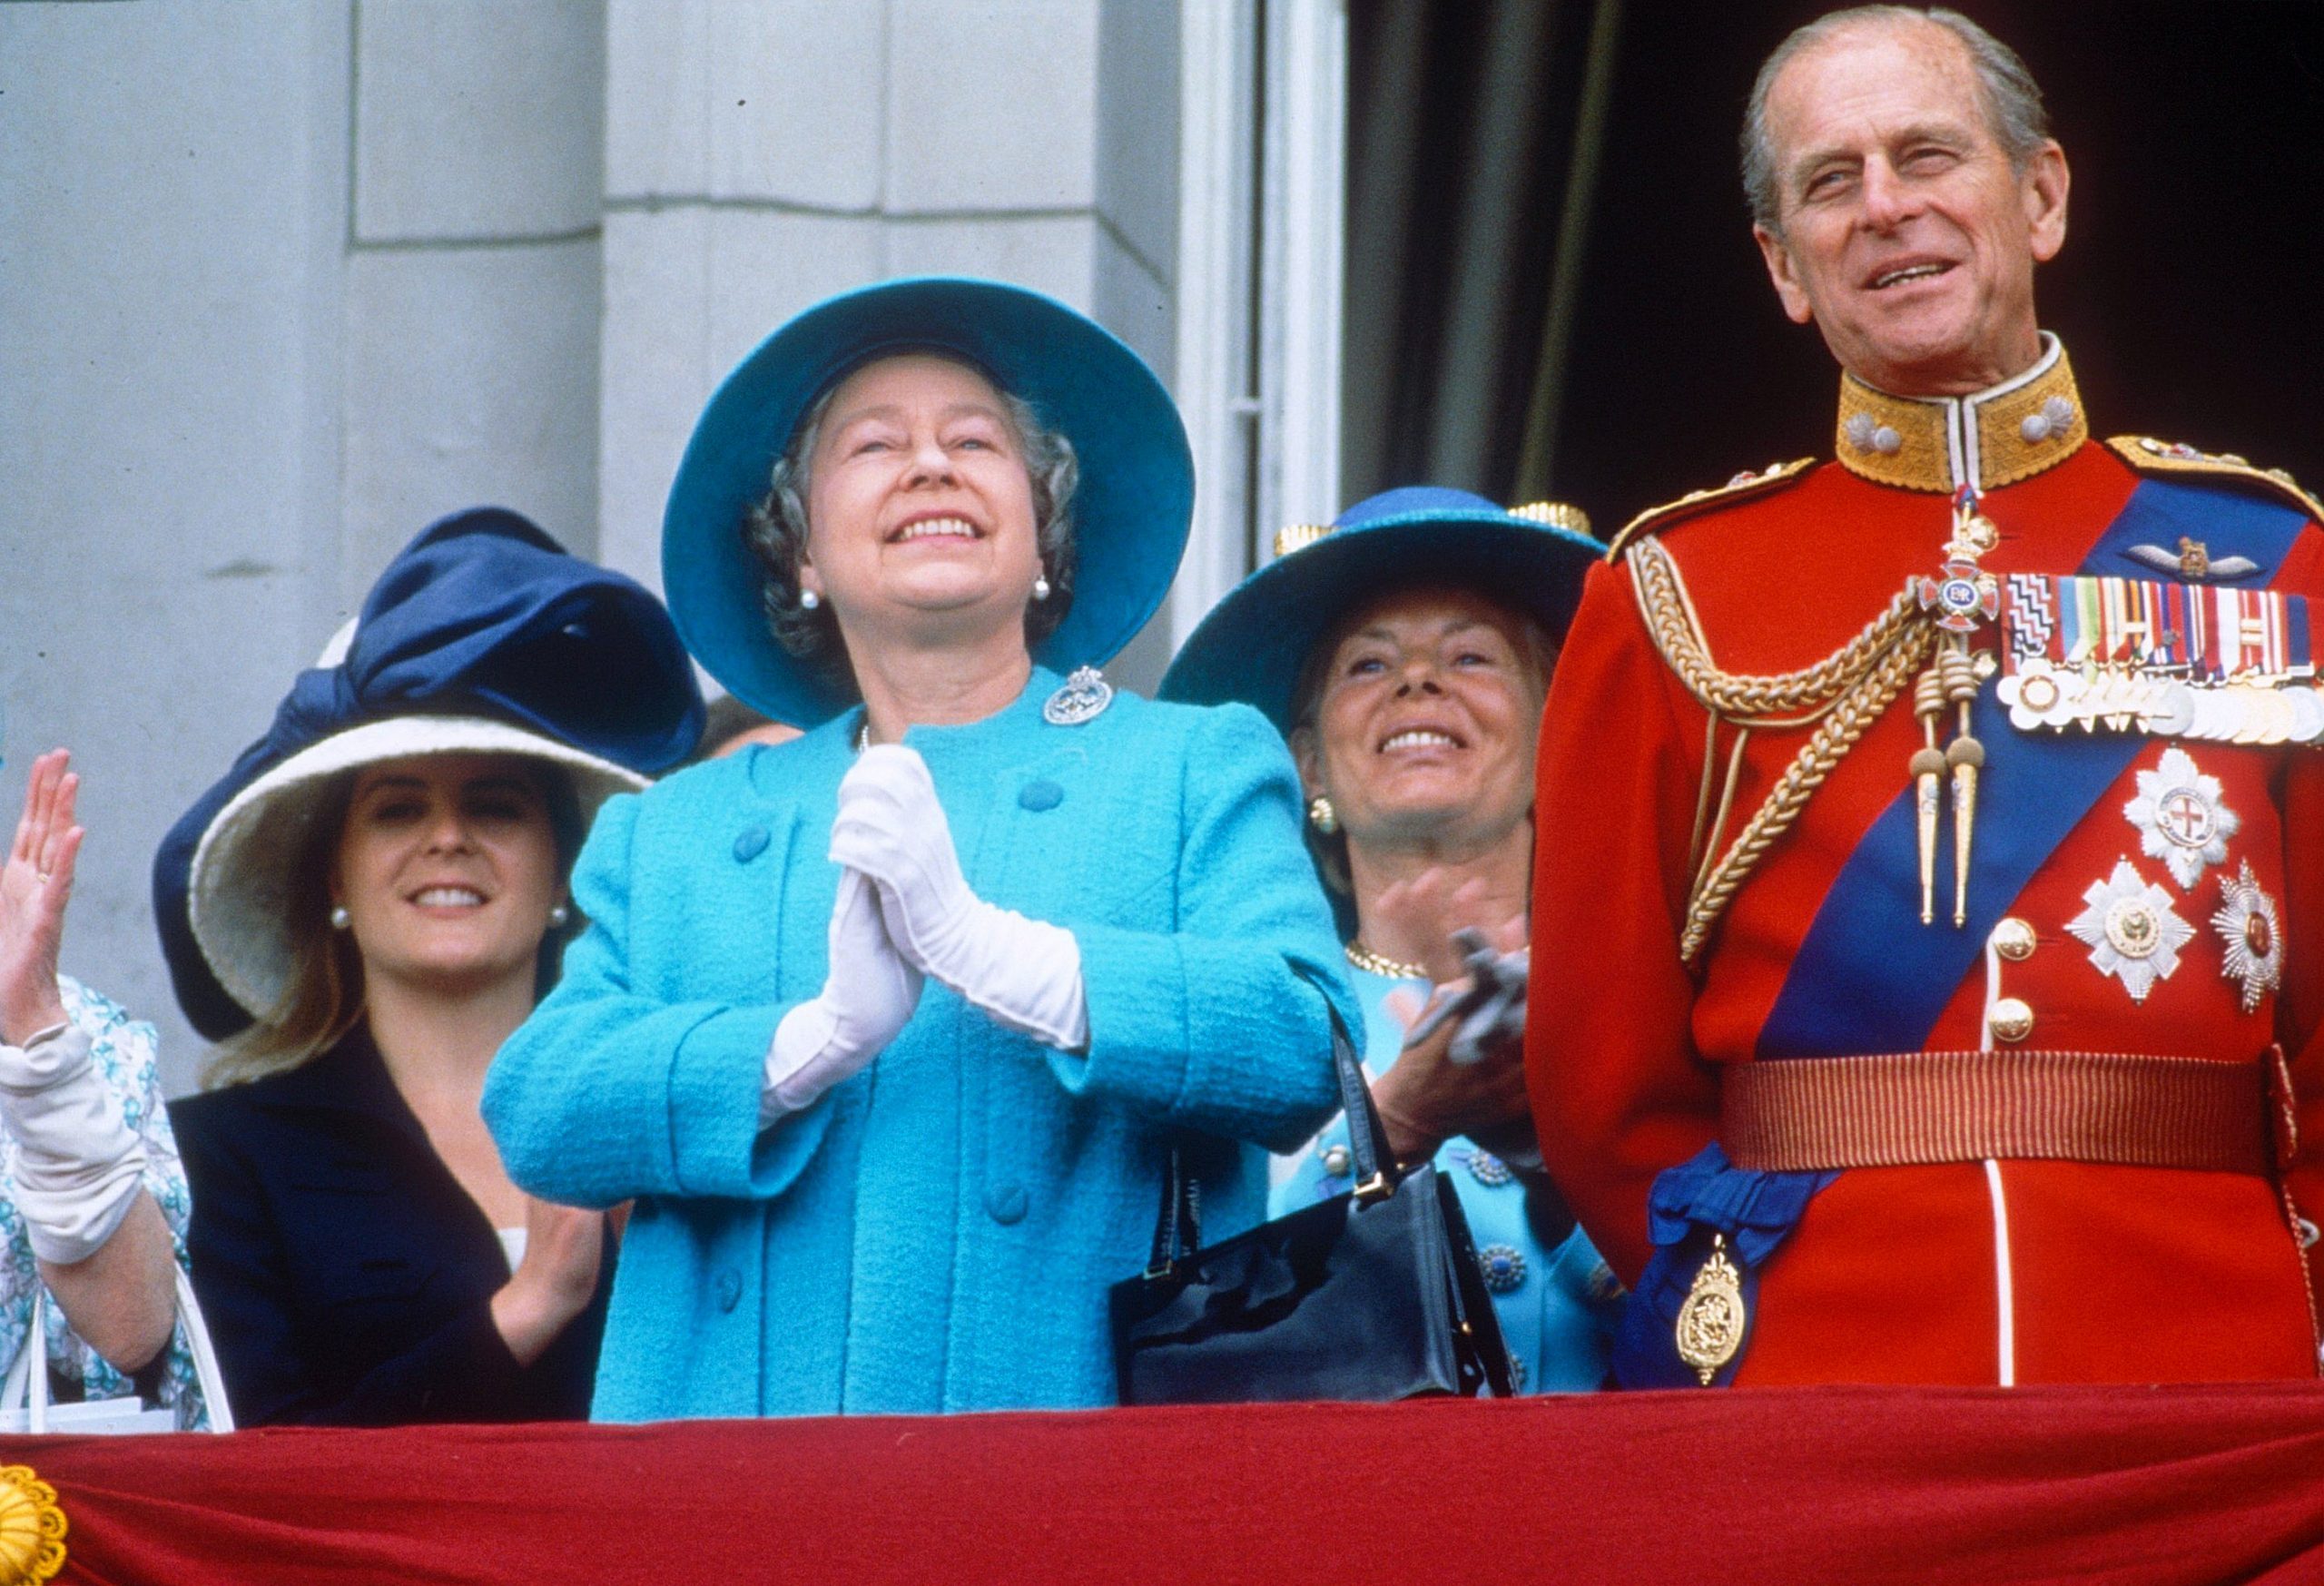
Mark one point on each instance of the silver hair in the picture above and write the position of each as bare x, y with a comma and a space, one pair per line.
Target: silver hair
2013, 99
775, 530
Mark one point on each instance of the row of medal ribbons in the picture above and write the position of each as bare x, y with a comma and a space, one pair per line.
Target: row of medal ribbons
2175, 660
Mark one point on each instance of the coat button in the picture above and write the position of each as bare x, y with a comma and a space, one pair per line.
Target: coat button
749, 843
730, 1289
1040, 794
1006, 1202
2014, 939
2011, 1019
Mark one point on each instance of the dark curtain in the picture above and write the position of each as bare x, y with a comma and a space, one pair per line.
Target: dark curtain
1471, 155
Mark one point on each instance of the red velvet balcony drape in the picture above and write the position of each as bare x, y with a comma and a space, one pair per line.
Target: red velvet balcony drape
2189, 1484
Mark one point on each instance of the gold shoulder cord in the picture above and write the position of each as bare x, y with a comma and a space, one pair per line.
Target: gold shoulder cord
1844, 694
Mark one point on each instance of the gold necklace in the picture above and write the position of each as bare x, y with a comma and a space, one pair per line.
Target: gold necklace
1363, 958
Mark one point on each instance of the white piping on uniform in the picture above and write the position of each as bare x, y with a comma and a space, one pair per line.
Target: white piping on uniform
2004, 1295
1962, 445
2005, 1301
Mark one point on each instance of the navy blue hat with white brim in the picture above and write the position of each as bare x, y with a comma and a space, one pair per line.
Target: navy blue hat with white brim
1255, 643
1131, 511
484, 635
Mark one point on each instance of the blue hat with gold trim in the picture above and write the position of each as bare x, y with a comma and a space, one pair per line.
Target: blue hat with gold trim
1253, 645
1131, 511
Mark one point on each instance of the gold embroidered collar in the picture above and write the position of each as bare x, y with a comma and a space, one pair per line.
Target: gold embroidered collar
2012, 431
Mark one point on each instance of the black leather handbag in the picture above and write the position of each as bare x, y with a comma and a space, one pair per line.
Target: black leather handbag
1375, 1293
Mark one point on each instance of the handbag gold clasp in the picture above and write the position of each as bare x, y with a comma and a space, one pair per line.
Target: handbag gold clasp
1375, 1187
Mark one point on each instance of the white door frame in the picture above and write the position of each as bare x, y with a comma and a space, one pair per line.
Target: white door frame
1262, 185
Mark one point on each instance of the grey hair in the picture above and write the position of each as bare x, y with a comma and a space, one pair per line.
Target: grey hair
2013, 99
774, 528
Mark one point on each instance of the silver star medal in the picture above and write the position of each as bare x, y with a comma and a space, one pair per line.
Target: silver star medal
2247, 923
2181, 818
2132, 931
1083, 698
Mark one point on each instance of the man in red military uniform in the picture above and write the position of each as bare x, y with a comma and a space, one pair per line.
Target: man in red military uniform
1923, 1010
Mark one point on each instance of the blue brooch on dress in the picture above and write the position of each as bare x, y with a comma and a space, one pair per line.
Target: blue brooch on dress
1504, 1267
1083, 698
1488, 1169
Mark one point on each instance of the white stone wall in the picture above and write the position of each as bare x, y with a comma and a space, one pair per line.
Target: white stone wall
172, 223
282, 280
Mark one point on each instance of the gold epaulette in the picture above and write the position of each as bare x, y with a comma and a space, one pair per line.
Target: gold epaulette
2150, 455
1742, 487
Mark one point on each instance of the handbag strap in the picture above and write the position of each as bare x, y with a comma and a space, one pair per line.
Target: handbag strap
205, 1359
1177, 1231
26, 1387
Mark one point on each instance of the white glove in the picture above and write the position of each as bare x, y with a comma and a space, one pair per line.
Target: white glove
867, 997
1024, 973
78, 1163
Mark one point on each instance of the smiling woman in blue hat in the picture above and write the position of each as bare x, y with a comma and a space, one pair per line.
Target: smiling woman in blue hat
890, 1028
362, 911
1404, 653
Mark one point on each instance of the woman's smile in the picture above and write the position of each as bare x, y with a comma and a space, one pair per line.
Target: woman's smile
919, 504
1426, 720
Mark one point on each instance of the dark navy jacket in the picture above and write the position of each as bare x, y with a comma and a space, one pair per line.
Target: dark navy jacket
346, 1276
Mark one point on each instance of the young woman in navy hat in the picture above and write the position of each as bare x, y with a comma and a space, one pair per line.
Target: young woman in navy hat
889, 1029
364, 908
1404, 652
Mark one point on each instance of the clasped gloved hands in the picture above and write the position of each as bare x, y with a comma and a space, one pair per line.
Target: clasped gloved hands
869, 994
905, 911
1024, 973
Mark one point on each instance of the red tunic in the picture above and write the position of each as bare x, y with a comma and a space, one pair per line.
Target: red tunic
1897, 1274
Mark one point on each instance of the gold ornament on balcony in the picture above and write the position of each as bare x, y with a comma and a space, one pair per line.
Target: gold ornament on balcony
32, 1529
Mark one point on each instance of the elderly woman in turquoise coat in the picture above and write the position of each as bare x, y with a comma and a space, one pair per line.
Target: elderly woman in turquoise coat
889, 1029
1404, 652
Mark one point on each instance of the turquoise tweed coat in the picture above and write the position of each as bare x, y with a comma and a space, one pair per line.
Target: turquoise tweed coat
938, 1232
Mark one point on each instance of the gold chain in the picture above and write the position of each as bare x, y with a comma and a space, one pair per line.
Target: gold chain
1670, 618
1834, 738
1363, 958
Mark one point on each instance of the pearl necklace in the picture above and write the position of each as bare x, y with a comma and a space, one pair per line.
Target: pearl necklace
1363, 958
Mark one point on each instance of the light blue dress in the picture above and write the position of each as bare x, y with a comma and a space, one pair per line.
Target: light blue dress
939, 1231
124, 1053
1558, 1307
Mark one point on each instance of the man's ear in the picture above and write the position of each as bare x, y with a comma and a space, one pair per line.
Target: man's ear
1789, 288
2044, 185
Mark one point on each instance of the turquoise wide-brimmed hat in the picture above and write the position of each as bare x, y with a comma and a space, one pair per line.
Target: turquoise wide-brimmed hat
1131, 511
1255, 640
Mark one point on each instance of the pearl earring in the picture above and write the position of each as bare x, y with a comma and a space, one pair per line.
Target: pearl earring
1041, 587
558, 917
339, 918
809, 600
1326, 819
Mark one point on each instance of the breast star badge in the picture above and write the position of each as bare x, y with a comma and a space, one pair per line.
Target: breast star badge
2132, 933
2247, 923
2181, 818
